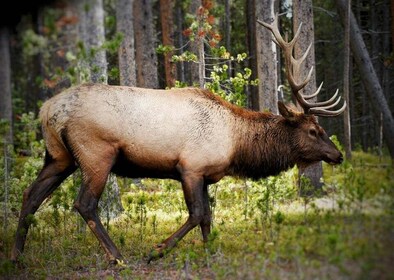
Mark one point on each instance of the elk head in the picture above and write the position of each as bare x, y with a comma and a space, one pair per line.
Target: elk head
311, 138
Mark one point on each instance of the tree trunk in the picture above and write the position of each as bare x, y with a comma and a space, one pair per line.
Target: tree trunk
369, 78
126, 52
5, 85
392, 23
146, 58
227, 32
303, 13
6, 114
227, 25
180, 41
79, 11
346, 115
167, 28
197, 47
201, 62
253, 93
266, 58
95, 37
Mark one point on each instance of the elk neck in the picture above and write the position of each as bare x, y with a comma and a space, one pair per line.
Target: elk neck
265, 147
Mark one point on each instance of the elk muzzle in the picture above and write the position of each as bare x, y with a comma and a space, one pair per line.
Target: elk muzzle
331, 154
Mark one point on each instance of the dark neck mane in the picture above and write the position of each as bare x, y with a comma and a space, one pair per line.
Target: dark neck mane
264, 147
263, 141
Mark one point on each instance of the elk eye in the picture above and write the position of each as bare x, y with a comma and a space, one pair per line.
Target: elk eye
313, 132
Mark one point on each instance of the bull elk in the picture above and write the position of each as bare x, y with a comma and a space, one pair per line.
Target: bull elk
187, 134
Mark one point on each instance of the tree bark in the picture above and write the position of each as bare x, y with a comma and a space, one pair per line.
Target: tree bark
227, 32
5, 84
167, 28
266, 59
370, 80
197, 47
146, 58
79, 11
180, 41
126, 52
94, 39
201, 61
346, 66
392, 23
303, 13
253, 93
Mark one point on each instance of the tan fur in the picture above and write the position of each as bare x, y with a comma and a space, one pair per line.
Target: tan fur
156, 129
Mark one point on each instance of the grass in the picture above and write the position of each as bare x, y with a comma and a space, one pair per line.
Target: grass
261, 230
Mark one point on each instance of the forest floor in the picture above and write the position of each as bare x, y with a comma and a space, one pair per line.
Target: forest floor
261, 230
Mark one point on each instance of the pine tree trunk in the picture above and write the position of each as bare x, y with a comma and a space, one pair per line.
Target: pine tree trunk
6, 140
253, 93
126, 52
5, 85
227, 32
196, 47
346, 66
266, 59
95, 37
146, 58
167, 27
79, 11
180, 42
392, 23
303, 13
201, 62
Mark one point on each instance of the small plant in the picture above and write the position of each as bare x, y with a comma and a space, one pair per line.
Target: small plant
306, 193
227, 77
141, 211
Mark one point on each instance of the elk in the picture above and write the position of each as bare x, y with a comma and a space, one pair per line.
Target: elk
186, 134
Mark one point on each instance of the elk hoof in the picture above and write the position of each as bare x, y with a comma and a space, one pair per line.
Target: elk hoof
157, 252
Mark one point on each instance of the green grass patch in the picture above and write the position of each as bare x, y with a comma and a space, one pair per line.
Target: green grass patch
261, 230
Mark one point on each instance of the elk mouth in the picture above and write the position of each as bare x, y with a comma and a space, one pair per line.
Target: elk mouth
334, 160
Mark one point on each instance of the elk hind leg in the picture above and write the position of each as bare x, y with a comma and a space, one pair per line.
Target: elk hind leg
205, 224
87, 201
53, 173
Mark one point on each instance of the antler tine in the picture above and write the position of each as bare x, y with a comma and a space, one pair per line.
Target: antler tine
293, 73
292, 64
309, 105
328, 113
297, 62
307, 97
295, 38
329, 106
273, 27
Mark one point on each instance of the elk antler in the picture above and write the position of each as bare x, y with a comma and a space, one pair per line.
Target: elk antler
292, 66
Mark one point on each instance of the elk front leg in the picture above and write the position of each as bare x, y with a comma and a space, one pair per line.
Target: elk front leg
192, 186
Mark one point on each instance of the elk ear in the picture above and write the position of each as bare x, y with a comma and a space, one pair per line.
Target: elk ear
288, 114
